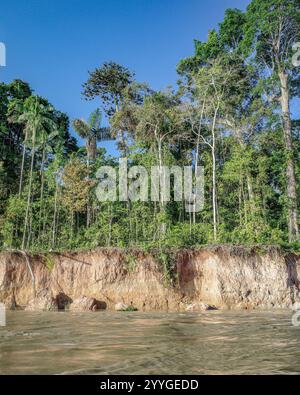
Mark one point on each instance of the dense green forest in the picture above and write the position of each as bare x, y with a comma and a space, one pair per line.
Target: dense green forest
230, 112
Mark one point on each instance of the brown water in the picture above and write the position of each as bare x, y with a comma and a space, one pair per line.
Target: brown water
140, 343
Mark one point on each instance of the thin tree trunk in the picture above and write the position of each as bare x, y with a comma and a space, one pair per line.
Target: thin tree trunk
160, 171
22, 169
248, 177
214, 195
54, 218
161, 190
72, 225
91, 152
42, 190
214, 174
136, 232
197, 152
250, 190
29, 191
29, 238
110, 225
244, 201
240, 202
128, 207
123, 145
290, 167
196, 170
155, 221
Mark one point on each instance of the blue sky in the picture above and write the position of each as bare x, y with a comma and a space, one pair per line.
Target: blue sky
53, 43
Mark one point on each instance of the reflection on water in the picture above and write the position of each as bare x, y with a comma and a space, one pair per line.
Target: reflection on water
140, 343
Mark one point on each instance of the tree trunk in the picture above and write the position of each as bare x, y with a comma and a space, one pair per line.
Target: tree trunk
91, 148
197, 152
22, 168
290, 167
29, 191
214, 195
54, 217
250, 191
163, 226
214, 182
196, 171
42, 217
249, 180
160, 171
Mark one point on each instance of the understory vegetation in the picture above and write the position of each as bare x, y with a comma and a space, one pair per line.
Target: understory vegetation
231, 113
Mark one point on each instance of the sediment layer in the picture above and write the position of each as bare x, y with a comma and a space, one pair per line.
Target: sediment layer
221, 277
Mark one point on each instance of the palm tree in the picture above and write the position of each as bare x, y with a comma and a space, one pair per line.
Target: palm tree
15, 110
37, 117
91, 131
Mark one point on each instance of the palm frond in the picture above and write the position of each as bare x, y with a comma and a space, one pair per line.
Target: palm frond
95, 119
81, 127
103, 134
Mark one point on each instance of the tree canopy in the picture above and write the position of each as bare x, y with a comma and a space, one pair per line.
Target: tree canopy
230, 114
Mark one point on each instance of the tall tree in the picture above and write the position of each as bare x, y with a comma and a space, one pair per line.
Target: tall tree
92, 132
110, 84
272, 27
76, 188
12, 105
37, 116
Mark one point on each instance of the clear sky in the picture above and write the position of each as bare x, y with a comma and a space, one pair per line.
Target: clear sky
53, 43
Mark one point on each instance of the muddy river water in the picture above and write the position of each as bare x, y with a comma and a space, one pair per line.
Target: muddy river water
256, 342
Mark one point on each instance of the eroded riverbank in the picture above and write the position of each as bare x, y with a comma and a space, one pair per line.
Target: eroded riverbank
185, 280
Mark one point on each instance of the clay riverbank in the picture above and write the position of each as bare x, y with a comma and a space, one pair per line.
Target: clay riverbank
185, 280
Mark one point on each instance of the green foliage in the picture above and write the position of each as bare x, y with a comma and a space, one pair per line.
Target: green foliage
49, 261
232, 28
130, 261
108, 82
130, 309
167, 261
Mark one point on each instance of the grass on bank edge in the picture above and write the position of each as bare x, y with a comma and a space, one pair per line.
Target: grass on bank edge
130, 251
